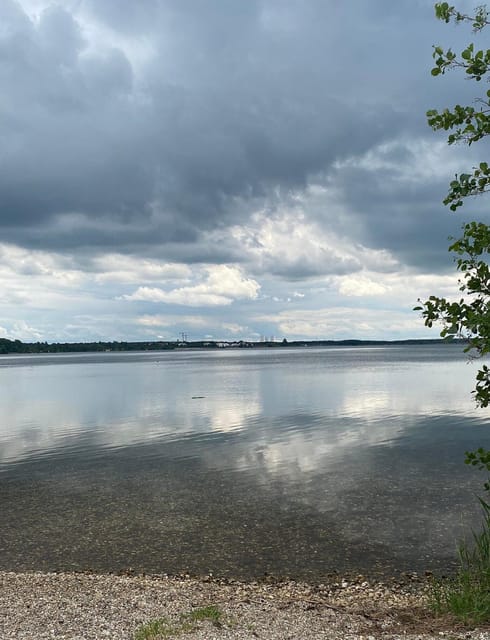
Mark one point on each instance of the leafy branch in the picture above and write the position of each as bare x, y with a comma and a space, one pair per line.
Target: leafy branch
469, 317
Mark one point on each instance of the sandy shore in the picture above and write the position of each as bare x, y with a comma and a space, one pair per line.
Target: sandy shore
36, 606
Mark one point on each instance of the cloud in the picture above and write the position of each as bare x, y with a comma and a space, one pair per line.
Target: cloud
222, 285
398, 288
172, 320
21, 331
366, 305
340, 323
290, 245
190, 154
392, 198
361, 286
149, 127
235, 328
127, 270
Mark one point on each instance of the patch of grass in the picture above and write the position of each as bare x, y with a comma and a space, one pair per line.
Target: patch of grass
467, 596
211, 613
156, 629
188, 622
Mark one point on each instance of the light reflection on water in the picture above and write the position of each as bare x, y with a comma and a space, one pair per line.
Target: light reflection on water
288, 461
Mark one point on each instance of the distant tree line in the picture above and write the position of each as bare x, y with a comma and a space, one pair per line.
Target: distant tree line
16, 346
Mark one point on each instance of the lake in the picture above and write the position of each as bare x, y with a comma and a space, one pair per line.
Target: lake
295, 462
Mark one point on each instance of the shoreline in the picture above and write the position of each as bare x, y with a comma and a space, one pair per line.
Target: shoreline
90, 606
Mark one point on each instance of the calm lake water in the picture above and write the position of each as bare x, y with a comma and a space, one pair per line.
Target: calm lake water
292, 462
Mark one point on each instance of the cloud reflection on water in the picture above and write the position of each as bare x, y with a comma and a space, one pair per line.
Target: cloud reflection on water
296, 412
331, 452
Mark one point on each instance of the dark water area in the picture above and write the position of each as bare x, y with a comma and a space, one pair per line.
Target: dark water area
283, 461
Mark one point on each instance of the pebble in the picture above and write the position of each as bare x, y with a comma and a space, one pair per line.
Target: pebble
78, 606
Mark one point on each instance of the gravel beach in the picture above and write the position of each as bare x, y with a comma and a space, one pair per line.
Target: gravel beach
86, 606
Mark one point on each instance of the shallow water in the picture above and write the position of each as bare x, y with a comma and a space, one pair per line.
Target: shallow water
287, 461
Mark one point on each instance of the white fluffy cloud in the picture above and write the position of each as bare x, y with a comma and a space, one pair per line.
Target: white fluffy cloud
291, 245
400, 288
221, 285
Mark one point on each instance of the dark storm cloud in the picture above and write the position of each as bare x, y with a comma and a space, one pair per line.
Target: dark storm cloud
405, 212
137, 125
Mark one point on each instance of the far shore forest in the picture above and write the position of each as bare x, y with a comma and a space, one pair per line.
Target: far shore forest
16, 346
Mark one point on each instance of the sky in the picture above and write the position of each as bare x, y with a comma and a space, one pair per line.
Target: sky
227, 169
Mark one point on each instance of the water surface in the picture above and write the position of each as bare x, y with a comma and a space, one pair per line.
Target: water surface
287, 461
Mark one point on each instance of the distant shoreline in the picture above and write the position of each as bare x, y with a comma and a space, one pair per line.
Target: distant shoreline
16, 346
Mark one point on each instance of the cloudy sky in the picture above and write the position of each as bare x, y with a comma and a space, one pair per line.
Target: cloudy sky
224, 168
